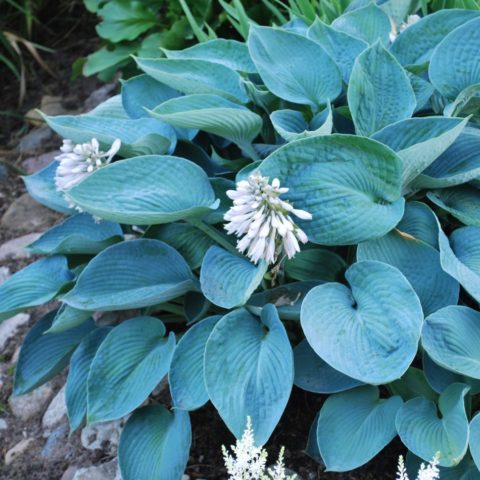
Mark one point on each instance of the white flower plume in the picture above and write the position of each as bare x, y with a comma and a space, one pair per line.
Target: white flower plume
428, 472
264, 220
76, 162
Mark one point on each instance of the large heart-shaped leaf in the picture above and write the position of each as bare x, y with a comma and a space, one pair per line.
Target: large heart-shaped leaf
311, 78
354, 426
79, 234
353, 189
186, 375
160, 189
474, 442
229, 280
425, 434
369, 331
128, 365
249, 371
379, 92
38, 283
455, 64
195, 76
131, 274
43, 355
451, 337
155, 444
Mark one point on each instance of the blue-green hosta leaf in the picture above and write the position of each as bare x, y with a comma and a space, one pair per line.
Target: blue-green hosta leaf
459, 164
128, 365
76, 386
139, 136
41, 187
413, 384
78, 234
311, 448
231, 53
112, 107
353, 189
315, 264
420, 222
420, 141
314, 375
155, 444
132, 274
460, 257
354, 426
195, 76
467, 102
229, 280
287, 299
291, 124
423, 90
160, 189
369, 24
212, 114
369, 331
419, 262
43, 355
451, 337
379, 92
425, 434
186, 375
343, 48
455, 64
416, 44
68, 317
36, 284
463, 202
190, 242
311, 78
141, 92
249, 371
195, 306
474, 442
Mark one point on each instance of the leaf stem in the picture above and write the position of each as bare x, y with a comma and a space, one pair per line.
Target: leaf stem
248, 149
214, 234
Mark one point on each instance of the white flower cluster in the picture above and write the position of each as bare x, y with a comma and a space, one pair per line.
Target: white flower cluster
428, 472
249, 461
78, 161
411, 19
264, 219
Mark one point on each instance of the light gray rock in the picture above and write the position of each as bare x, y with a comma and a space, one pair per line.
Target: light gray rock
69, 473
10, 327
33, 403
25, 215
34, 139
3, 424
56, 412
105, 471
15, 249
4, 274
57, 447
39, 162
16, 451
99, 96
102, 436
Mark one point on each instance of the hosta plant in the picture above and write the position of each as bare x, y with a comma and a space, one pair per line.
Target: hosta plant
300, 209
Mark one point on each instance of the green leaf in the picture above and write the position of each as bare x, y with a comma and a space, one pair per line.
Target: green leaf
455, 64
125, 20
311, 78
229, 280
43, 355
413, 384
463, 202
161, 189
76, 386
108, 57
315, 264
231, 53
79, 234
369, 331
155, 444
36, 284
132, 274
379, 92
212, 114
425, 434
186, 375
195, 76
354, 426
368, 23
128, 365
249, 371
314, 375
353, 188
343, 48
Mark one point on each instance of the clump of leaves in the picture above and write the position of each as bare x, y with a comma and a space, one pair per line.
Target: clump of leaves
375, 143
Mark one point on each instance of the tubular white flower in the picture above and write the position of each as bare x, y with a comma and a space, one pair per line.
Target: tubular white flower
429, 472
264, 220
76, 162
